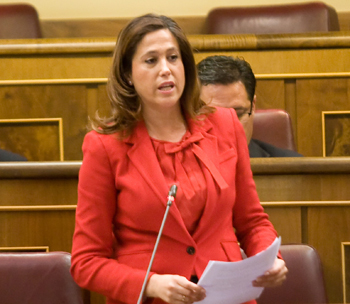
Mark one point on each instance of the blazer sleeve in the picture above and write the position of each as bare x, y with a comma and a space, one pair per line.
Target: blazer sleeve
92, 266
253, 229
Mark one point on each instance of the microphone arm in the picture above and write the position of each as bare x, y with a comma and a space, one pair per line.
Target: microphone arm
171, 199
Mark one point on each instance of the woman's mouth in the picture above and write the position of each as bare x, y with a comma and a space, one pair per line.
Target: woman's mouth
166, 86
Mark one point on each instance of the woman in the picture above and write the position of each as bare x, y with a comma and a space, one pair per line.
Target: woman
161, 133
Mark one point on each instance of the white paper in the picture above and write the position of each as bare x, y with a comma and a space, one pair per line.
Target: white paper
231, 282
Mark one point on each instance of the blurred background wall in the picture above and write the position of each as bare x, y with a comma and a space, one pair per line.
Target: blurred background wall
87, 9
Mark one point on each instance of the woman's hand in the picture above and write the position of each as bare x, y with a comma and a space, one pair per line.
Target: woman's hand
274, 276
174, 289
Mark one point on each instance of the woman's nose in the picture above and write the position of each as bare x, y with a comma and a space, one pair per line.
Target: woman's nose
164, 67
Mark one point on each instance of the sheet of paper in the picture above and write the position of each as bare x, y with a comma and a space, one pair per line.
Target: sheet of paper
231, 282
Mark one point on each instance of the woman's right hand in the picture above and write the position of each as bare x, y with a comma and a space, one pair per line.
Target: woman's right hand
174, 289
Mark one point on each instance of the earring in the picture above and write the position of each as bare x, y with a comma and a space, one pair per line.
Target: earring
130, 82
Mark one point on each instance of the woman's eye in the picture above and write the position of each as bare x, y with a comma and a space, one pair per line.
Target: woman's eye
150, 60
173, 57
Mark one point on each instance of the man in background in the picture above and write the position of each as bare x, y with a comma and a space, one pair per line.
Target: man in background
230, 83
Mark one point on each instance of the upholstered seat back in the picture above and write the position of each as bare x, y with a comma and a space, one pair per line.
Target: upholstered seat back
19, 21
273, 19
274, 127
37, 278
304, 283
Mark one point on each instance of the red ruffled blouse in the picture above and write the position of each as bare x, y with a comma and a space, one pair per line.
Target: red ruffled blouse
181, 166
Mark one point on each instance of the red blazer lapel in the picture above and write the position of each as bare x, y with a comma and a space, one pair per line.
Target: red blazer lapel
144, 159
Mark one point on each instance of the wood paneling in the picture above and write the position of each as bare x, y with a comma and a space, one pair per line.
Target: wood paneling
335, 226
313, 97
344, 21
34, 138
37, 228
316, 187
270, 94
288, 226
16, 193
68, 102
303, 74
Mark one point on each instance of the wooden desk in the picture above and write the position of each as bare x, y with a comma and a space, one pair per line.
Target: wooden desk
304, 74
307, 200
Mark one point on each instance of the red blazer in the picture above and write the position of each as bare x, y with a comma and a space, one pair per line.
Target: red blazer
122, 199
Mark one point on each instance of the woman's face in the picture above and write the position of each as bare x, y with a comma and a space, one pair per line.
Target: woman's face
157, 71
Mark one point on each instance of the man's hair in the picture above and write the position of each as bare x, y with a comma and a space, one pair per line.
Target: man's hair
226, 70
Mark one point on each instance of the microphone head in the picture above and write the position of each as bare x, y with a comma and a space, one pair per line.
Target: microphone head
172, 191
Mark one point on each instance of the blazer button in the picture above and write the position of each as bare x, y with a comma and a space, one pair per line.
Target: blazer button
190, 250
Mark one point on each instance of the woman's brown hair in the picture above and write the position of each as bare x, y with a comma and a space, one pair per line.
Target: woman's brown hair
125, 104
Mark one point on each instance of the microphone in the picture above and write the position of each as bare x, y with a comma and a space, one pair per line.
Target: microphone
171, 195
171, 199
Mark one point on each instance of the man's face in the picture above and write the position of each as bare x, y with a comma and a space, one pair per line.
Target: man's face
233, 96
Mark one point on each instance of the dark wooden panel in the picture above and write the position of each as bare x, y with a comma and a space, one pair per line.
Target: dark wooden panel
270, 94
302, 187
287, 222
35, 139
37, 228
328, 228
313, 97
44, 101
29, 192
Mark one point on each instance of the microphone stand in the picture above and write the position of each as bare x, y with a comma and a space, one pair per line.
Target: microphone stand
171, 198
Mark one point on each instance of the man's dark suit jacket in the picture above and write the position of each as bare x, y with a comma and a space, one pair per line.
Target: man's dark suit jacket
258, 148
10, 156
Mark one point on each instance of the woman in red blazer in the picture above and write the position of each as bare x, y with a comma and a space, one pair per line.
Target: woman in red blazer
160, 133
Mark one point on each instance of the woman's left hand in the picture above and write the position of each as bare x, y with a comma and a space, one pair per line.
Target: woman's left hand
274, 276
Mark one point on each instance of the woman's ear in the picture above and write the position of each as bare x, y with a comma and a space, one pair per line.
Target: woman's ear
129, 80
